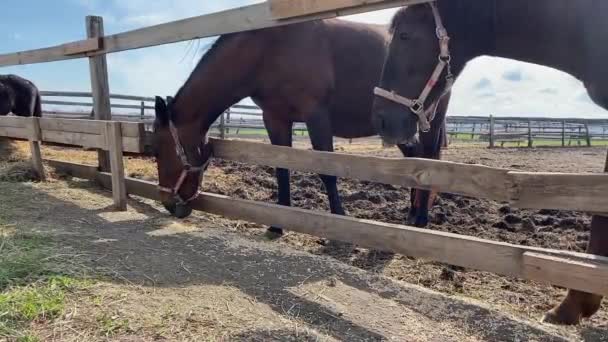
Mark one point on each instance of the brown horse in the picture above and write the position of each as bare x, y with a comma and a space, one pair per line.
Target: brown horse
19, 96
563, 34
321, 73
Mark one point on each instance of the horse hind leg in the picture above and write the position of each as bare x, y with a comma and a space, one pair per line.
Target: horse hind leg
578, 304
280, 134
321, 137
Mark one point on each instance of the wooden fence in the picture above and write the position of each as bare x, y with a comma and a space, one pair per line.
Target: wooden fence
526, 190
583, 192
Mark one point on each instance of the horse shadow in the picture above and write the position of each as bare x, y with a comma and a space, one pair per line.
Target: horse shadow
139, 249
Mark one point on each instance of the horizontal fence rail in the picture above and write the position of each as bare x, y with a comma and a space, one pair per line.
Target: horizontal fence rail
246, 18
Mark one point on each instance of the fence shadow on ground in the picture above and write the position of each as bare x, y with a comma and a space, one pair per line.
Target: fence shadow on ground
138, 249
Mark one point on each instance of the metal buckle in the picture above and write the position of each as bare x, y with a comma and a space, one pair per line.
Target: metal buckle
417, 107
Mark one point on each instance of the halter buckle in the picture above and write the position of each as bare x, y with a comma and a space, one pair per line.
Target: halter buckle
417, 107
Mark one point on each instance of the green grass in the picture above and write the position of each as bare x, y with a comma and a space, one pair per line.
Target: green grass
30, 290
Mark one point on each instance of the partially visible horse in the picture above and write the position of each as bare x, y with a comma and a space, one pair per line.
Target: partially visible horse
321, 73
19, 96
433, 42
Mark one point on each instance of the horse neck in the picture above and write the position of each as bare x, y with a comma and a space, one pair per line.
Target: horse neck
545, 32
223, 77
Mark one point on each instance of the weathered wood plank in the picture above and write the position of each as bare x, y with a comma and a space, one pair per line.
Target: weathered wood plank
465, 251
283, 9
579, 192
114, 142
463, 179
36, 137
129, 129
82, 46
569, 273
16, 133
100, 85
95, 141
14, 121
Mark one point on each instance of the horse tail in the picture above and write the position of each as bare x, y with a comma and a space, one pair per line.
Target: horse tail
38, 106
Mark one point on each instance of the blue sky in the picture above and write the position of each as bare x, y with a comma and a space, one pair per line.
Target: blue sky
488, 85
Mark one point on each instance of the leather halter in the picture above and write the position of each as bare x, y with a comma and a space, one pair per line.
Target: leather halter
187, 168
425, 117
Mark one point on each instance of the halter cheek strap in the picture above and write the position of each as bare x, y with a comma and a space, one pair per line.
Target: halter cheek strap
187, 169
416, 106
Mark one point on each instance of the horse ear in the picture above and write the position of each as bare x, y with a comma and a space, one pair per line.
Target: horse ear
160, 107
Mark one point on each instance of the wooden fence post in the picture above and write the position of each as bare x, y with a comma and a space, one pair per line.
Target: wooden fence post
228, 121
492, 127
113, 135
223, 126
473, 132
588, 135
100, 86
563, 133
530, 142
143, 110
35, 140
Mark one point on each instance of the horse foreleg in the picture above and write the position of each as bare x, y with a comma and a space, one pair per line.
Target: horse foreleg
578, 304
279, 133
421, 200
321, 138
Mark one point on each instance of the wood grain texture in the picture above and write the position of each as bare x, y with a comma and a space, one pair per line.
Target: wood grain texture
283, 9
100, 85
35, 139
80, 47
114, 142
569, 273
463, 179
129, 129
16, 133
14, 121
579, 192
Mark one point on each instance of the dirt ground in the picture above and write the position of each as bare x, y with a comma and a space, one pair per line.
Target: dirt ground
207, 278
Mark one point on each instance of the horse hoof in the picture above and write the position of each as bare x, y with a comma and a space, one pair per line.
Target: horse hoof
556, 318
418, 222
274, 233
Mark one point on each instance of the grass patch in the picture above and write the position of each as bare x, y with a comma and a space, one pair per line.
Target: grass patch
32, 290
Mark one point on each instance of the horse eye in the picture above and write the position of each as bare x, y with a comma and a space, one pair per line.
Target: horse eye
404, 36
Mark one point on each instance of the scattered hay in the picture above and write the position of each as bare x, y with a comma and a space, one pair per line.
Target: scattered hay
20, 172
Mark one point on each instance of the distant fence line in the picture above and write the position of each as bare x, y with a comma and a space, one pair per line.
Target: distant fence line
245, 120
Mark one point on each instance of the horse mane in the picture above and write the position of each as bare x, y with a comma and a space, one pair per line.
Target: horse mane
205, 58
397, 18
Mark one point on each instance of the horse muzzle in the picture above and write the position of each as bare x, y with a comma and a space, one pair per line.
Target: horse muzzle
180, 211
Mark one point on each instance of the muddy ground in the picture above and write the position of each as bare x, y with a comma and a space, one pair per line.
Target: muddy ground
516, 298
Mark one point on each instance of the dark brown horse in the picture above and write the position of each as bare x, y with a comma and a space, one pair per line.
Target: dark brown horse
19, 96
563, 34
321, 73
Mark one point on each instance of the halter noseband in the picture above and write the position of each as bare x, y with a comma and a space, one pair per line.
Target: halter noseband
187, 168
425, 117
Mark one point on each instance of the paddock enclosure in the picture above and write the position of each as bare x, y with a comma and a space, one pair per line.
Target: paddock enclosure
514, 188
